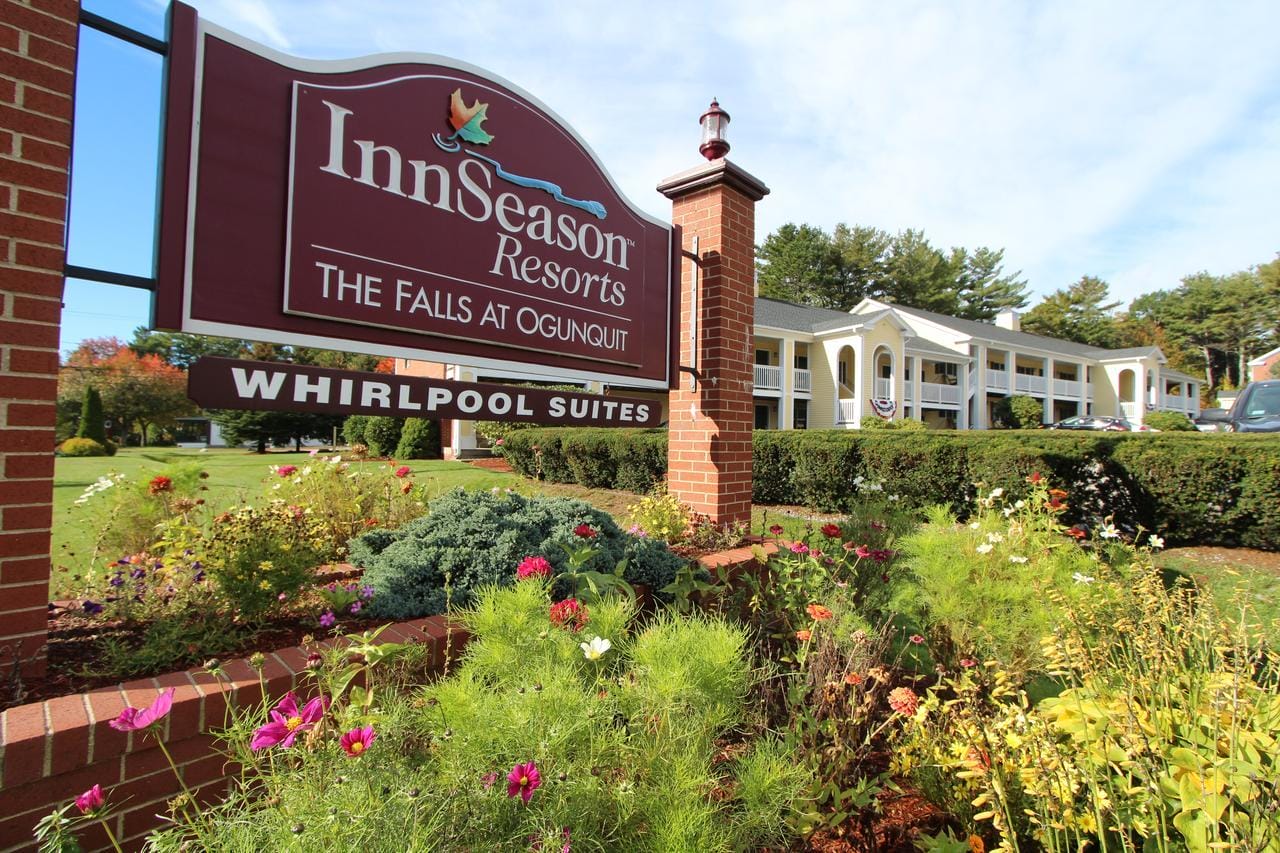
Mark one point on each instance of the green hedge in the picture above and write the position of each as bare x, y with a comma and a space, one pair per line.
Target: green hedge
1209, 489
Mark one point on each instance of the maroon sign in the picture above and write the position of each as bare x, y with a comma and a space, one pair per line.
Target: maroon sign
399, 205
229, 383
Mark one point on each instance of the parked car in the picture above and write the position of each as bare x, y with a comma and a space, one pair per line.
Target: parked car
1212, 420
1257, 409
1096, 422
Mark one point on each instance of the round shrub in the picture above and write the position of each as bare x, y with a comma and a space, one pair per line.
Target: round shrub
472, 539
1020, 412
1169, 422
382, 434
353, 429
420, 439
82, 447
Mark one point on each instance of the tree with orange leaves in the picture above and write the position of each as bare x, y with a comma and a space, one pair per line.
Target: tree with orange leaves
137, 391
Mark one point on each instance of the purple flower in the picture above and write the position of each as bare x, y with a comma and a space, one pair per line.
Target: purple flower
287, 722
327, 619
355, 606
138, 573
91, 800
91, 607
131, 719
117, 579
366, 592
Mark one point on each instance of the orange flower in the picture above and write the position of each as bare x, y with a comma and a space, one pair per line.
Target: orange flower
976, 844
818, 612
803, 636
853, 679
904, 700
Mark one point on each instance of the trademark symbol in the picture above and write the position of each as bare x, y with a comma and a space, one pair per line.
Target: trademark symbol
630, 242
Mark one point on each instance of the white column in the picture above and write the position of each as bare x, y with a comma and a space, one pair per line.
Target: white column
1048, 391
962, 378
980, 390
859, 370
1082, 372
786, 405
916, 374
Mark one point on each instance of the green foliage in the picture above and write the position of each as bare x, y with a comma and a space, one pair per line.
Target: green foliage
1169, 422
627, 459
875, 422
83, 447
494, 431
1020, 412
382, 434
92, 421
1080, 313
353, 429
255, 555
477, 539
420, 439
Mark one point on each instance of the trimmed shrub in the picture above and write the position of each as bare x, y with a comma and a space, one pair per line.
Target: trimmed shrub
1169, 422
93, 424
382, 434
874, 422
420, 439
82, 447
353, 429
473, 539
772, 464
1020, 412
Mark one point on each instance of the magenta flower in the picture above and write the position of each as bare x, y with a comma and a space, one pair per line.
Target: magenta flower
131, 719
523, 780
916, 638
533, 567
286, 470
489, 778
831, 530
91, 800
775, 529
862, 552
402, 471
287, 722
356, 741
327, 619
799, 548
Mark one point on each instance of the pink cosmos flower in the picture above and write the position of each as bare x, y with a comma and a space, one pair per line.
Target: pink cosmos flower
402, 471
287, 722
131, 719
286, 470
356, 741
523, 780
533, 567
91, 800
489, 778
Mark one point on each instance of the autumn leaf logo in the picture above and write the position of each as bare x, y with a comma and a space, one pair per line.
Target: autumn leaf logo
467, 121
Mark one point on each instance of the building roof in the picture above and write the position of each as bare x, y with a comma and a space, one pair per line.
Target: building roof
920, 344
1262, 359
1130, 352
1168, 373
798, 318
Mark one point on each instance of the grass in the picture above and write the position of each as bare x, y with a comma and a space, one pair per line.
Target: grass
1232, 575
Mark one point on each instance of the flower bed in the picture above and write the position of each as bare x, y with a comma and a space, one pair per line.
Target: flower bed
54, 751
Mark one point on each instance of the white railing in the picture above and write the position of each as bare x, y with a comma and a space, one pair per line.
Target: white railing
1066, 388
908, 390
936, 392
884, 389
803, 380
1029, 384
848, 411
1130, 410
769, 378
1090, 387
1178, 403
997, 380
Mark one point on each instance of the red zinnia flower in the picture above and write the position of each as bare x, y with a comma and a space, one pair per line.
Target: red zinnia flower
818, 612
1035, 478
1076, 532
356, 741
160, 484
832, 530
775, 529
853, 679
523, 780
862, 552
799, 548
968, 663
569, 614
584, 531
533, 567
402, 471
286, 470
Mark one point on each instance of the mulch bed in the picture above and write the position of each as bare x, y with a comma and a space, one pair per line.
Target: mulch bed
493, 463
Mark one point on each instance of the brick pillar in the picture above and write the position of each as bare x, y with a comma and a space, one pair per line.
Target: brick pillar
709, 463
37, 75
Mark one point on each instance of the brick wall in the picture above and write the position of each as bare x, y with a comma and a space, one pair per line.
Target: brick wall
37, 74
51, 752
709, 457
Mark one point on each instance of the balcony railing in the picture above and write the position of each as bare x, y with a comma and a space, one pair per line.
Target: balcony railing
848, 411
1066, 388
936, 392
884, 389
997, 380
1179, 403
803, 380
768, 378
1028, 384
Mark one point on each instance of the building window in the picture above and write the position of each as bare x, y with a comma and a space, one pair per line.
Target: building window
945, 373
802, 362
995, 365
843, 372
800, 417
762, 417
1030, 371
762, 356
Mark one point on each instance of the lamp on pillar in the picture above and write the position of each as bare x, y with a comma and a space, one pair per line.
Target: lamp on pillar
715, 122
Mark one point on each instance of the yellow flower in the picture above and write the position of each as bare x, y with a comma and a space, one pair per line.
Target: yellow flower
264, 586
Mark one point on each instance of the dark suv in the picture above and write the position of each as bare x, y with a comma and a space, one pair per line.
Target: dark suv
1257, 409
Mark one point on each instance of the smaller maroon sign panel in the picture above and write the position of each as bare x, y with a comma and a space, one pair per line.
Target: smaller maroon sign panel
229, 383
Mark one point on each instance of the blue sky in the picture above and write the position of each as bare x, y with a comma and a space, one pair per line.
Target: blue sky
1138, 142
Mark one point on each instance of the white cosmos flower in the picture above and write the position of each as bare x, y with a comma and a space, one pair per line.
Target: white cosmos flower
1156, 541
1080, 577
984, 548
997, 492
1019, 504
595, 649
994, 537
1110, 532
973, 525
1016, 559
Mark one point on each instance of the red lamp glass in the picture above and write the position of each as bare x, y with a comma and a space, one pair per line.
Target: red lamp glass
715, 123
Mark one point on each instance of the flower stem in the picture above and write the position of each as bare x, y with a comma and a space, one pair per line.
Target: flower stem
111, 836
